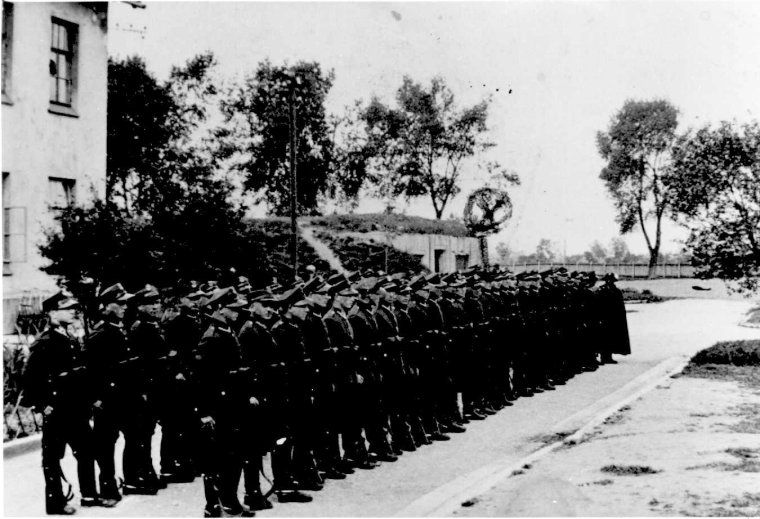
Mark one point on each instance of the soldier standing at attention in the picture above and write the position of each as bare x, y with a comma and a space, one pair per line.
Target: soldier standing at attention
147, 389
53, 385
106, 355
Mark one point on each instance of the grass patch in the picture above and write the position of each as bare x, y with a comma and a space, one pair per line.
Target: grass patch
629, 470
642, 296
737, 353
399, 223
547, 439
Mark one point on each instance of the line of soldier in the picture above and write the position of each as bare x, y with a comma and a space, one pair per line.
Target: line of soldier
329, 375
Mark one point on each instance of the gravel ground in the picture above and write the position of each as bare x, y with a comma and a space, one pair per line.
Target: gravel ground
690, 447
658, 332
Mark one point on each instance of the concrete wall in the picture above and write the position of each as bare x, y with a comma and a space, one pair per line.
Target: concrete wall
38, 144
426, 245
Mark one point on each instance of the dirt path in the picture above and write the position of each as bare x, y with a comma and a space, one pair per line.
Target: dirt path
322, 250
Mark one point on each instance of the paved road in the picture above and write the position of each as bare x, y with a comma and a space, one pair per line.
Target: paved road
658, 332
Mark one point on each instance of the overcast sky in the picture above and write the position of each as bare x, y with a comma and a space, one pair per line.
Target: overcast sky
557, 72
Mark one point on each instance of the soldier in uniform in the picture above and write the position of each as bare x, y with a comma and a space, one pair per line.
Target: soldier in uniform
218, 358
107, 358
146, 392
54, 386
178, 420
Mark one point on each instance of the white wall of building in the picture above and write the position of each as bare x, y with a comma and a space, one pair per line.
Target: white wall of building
38, 144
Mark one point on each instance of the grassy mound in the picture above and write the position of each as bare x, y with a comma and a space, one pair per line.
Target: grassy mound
271, 239
736, 353
397, 223
644, 296
362, 255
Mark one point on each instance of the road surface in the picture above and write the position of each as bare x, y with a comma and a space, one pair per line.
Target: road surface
658, 332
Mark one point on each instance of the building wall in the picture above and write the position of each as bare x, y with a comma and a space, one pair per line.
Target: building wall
426, 245
38, 144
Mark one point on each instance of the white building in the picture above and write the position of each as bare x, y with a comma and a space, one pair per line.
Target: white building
54, 98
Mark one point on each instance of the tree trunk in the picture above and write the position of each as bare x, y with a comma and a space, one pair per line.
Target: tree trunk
483, 242
653, 255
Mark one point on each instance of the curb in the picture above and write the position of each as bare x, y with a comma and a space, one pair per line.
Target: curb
15, 448
447, 498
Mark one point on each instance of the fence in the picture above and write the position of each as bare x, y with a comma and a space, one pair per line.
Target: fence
621, 270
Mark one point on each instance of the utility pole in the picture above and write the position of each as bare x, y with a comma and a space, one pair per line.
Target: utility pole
293, 184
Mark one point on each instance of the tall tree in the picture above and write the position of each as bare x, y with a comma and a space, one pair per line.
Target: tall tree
717, 188
256, 133
419, 147
637, 148
154, 151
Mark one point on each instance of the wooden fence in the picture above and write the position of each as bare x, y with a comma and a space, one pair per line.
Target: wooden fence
622, 270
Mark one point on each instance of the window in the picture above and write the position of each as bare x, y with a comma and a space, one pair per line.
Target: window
438, 255
14, 230
60, 192
62, 54
7, 50
463, 261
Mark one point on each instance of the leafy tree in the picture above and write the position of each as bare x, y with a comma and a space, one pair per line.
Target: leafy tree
619, 250
256, 133
504, 254
596, 253
717, 189
637, 148
154, 153
546, 251
419, 147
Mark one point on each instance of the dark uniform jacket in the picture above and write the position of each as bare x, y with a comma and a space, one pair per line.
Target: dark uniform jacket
52, 376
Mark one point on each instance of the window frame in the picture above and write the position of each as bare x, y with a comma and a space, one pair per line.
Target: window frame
70, 58
69, 189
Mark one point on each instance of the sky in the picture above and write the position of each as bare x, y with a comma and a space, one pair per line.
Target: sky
556, 71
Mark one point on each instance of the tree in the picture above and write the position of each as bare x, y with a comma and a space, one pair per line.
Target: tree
619, 250
418, 148
637, 148
504, 254
256, 133
546, 251
717, 189
596, 253
154, 153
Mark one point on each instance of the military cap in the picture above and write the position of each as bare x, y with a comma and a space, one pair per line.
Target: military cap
417, 281
338, 287
348, 292
114, 294
222, 296
61, 300
353, 276
312, 285
196, 295
336, 278
219, 319
420, 294
290, 297
146, 295
244, 287
237, 304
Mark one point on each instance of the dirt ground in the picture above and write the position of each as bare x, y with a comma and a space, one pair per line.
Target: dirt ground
691, 447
